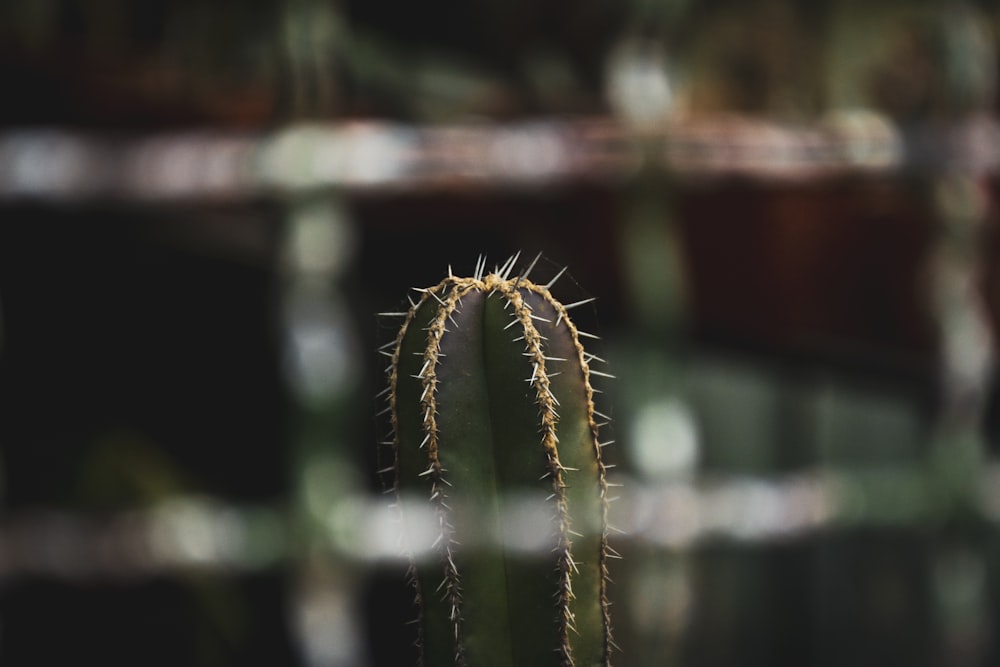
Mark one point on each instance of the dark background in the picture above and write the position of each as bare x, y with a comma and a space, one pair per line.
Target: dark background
141, 349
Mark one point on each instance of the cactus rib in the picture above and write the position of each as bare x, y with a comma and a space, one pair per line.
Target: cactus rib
463, 437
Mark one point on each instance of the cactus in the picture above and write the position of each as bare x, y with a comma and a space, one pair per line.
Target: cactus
494, 429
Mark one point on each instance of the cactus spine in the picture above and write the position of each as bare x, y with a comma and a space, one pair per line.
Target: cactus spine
495, 427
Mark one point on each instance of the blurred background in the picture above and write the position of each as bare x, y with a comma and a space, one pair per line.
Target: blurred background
785, 208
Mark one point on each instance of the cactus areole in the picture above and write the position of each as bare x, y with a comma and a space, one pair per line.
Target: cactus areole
496, 434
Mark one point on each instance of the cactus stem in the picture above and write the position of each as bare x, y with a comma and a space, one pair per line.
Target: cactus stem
516, 300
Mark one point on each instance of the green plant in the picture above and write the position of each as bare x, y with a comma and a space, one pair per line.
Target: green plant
495, 428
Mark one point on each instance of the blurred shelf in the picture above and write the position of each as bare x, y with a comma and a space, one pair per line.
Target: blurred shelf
199, 533
66, 165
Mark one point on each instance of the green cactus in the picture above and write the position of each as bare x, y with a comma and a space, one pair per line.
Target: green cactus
495, 430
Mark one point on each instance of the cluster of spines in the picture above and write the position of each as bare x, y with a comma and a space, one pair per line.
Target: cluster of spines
448, 294
548, 415
606, 552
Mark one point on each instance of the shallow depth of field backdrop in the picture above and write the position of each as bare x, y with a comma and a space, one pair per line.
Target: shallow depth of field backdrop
786, 209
